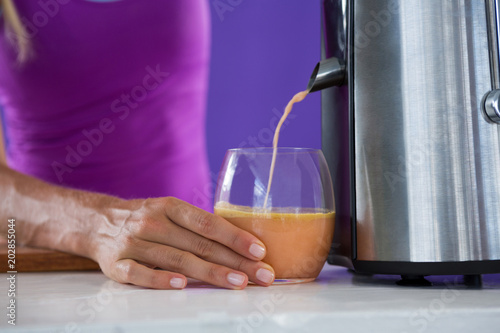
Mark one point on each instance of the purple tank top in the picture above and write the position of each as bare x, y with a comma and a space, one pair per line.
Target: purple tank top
114, 99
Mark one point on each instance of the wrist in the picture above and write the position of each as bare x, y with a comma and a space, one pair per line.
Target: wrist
105, 216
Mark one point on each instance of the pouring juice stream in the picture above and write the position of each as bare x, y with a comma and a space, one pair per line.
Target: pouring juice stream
295, 99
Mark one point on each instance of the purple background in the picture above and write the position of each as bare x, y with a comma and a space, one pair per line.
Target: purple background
263, 53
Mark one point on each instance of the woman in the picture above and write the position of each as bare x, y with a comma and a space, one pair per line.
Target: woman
103, 104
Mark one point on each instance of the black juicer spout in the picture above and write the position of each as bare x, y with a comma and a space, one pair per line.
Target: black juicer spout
327, 73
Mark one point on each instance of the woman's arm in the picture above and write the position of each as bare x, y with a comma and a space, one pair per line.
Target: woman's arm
120, 234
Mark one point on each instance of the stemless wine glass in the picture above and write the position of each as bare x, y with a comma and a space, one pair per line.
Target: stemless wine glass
297, 222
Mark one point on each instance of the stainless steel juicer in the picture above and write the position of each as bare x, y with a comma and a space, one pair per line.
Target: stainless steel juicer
410, 130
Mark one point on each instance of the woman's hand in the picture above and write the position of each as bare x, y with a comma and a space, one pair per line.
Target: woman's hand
180, 239
127, 238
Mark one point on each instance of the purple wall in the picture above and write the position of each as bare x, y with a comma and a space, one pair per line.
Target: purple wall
263, 52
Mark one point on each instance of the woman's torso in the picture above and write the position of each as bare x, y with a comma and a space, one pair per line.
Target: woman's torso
113, 100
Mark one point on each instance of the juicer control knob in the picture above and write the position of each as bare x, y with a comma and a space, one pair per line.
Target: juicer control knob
491, 106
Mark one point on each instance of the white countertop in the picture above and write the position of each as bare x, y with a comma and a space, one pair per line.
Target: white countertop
338, 301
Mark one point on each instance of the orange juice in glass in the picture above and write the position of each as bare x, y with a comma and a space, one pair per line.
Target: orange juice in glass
294, 217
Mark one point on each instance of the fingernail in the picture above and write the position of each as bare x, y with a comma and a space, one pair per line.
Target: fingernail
235, 279
257, 250
265, 275
177, 283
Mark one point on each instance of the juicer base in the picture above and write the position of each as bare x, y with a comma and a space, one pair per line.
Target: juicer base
427, 268
413, 281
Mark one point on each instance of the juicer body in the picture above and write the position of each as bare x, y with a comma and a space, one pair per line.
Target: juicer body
414, 157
